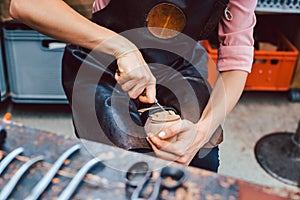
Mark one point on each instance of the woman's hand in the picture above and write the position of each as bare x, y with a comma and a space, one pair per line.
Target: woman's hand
135, 77
190, 138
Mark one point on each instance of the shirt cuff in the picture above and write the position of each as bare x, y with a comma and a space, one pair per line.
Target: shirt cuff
235, 58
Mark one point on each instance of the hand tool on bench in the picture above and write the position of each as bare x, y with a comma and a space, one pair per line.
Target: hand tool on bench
170, 178
8, 158
70, 189
137, 177
6, 191
45, 181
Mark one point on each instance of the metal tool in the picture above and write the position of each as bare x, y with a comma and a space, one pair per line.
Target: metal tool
137, 177
45, 181
279, 155
6, 191
155, 100
70, 189
177, 176
8, 158
160, 106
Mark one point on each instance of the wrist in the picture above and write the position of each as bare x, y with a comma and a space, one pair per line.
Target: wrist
205, 129
117, 46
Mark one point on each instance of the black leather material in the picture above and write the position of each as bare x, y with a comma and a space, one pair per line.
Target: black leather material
179, 65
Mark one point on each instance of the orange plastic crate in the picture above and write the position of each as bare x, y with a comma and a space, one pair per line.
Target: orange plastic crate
271, 70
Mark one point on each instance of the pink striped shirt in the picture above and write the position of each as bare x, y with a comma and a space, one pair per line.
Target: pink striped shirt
236, 36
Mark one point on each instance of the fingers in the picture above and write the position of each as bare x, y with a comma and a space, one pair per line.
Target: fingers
183, 149
150, 94
135, 88
166, 155
173, 130
136, 91
161, 142
168, 151
135, 77
166, 146
162, 154
127, 86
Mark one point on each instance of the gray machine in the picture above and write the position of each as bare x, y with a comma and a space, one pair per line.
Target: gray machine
3, 86
33, 65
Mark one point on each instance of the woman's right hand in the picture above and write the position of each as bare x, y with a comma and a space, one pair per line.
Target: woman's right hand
135, 77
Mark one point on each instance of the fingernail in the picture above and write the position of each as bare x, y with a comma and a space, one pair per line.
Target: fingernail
162, 134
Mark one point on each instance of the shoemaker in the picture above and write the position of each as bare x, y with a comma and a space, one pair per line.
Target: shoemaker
143, 51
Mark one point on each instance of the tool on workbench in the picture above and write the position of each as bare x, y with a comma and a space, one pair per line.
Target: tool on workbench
6, 191
139, 177
71, 187
170, 178
8, 158
45, 181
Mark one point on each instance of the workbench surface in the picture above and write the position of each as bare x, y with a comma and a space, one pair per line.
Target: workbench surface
107, 180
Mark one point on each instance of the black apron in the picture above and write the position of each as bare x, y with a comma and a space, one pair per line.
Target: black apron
101, 110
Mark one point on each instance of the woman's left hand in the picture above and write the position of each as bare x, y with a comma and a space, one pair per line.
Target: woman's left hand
190, 138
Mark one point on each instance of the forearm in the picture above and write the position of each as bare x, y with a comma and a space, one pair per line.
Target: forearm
56, 19
225, 94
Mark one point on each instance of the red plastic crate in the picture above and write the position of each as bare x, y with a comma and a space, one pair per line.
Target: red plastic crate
271, 70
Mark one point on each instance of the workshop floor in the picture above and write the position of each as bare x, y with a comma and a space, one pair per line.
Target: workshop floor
257, 114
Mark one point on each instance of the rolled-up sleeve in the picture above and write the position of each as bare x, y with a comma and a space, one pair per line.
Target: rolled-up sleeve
236, 37
100, 4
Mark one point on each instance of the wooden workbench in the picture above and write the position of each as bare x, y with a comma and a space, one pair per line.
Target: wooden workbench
107, 180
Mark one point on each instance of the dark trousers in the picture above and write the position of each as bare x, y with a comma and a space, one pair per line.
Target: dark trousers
207, 159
